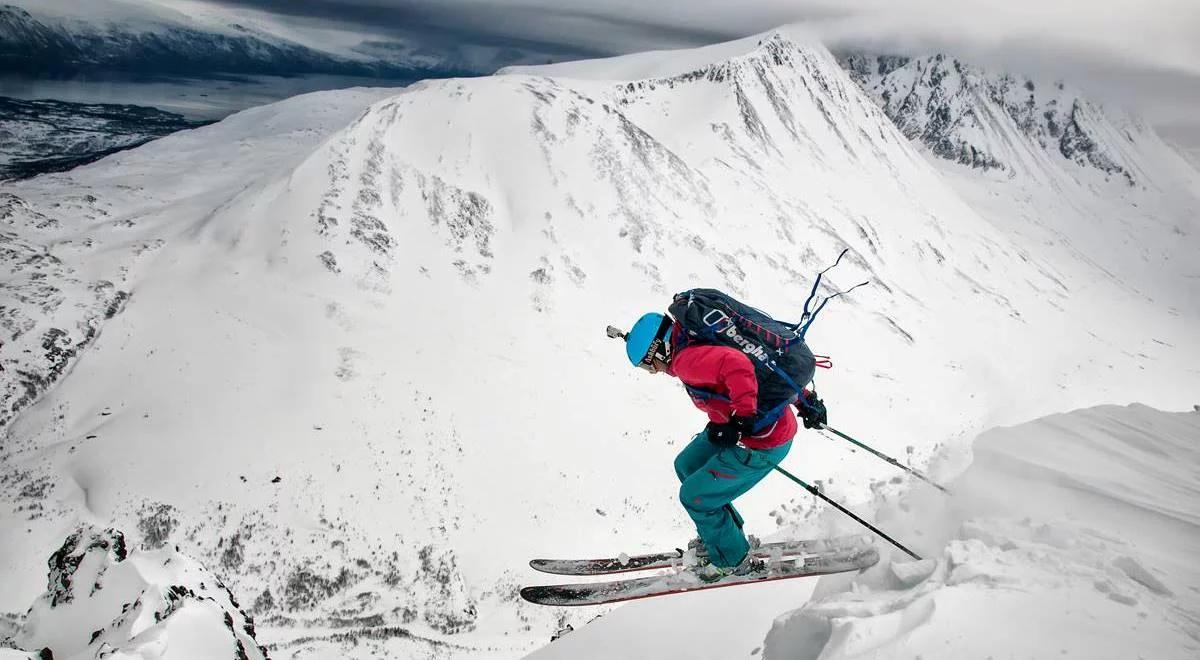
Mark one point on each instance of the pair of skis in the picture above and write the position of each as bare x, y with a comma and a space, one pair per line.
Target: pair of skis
784, 560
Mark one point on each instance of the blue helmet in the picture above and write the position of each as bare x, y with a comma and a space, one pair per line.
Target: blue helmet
648, 339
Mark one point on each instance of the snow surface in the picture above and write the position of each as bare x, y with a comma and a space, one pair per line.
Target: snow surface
1075, 535
346, 350
1071, 536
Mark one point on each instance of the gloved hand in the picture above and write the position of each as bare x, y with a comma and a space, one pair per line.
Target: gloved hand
729, 433
812, 411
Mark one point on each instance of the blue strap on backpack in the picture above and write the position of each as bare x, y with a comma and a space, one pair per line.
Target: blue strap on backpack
709, 316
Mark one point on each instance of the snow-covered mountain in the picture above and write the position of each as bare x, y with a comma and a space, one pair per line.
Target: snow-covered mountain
1059, 155
1002, 121
346, 350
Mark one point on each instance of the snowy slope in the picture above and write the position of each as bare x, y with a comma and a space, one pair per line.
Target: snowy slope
1060, 164
1075, 535
345, 350
1071, 536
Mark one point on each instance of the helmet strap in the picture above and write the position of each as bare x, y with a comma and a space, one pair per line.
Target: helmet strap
659, 348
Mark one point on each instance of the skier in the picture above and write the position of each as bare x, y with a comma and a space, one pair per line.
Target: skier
728, 457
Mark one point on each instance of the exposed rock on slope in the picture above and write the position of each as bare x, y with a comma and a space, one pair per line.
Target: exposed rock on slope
995, 121
105, 600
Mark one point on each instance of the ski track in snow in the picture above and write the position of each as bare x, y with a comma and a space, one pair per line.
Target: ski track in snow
345, 349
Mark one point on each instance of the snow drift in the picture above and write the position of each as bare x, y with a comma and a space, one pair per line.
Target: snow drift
1075, 535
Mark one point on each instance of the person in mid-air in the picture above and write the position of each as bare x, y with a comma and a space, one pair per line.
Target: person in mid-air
751, 424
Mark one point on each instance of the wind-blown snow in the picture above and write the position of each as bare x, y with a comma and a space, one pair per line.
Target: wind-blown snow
1075, 535
347, 349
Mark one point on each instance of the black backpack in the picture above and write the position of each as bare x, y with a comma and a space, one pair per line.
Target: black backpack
783, 363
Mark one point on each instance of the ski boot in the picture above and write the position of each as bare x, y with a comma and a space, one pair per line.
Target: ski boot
750, 566
695, 554
695, 547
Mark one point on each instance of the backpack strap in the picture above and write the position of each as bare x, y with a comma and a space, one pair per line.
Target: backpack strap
807, 318
771, 416
703, 394
761, 420
813, 293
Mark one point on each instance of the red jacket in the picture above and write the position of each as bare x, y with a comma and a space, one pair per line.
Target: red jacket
728, 372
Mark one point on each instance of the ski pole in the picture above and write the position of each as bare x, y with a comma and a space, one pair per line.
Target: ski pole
913, 471
839, 507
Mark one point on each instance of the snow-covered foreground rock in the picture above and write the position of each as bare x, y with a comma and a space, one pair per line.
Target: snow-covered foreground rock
106, 601
1072, 536
347, 350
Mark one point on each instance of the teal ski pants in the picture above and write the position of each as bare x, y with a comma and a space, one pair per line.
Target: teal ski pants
711, 478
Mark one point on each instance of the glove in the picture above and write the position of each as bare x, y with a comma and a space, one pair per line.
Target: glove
812, 411
729, 433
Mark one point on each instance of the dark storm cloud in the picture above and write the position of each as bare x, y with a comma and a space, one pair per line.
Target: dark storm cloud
1165, 31
1140, 53
416, 23
566, 26
572, 33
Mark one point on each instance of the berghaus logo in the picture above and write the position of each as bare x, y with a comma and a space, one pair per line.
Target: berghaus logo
721, 324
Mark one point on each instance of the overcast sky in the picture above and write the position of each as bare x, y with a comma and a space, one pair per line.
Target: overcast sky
1143, 53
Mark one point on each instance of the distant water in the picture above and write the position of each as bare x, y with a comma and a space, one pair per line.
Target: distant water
194, 98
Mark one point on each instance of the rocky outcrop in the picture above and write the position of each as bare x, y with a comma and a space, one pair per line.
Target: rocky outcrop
984, 120
104, 599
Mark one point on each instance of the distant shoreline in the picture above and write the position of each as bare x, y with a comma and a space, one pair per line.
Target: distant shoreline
208, 98
44, 136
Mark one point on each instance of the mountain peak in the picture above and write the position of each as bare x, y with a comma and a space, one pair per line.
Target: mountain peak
661, 64
969, 115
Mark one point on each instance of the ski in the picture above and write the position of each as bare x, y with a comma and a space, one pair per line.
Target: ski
674, 558
616, 591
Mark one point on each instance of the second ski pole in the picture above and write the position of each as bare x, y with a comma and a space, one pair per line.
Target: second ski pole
816, 492
913, 471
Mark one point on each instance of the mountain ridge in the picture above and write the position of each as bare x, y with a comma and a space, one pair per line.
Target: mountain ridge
959, 111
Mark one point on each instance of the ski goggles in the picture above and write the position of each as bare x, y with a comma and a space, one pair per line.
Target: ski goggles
658, 347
